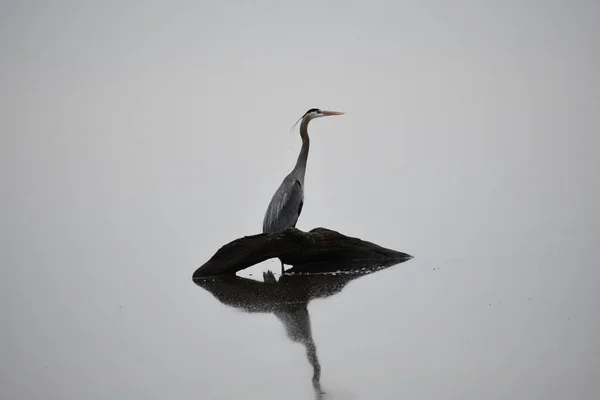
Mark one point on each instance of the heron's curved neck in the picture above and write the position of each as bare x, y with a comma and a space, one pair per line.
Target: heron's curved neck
300, 167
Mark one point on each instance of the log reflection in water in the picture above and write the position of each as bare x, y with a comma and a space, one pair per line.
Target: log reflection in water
288, 300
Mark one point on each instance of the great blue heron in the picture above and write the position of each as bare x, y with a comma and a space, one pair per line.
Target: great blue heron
286, 205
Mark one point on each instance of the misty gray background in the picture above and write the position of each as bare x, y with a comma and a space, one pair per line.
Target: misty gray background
139, 137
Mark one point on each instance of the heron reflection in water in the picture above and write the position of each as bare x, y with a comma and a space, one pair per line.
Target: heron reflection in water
288, 300
286, 204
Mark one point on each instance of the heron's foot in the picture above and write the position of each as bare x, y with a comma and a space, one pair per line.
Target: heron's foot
268, 277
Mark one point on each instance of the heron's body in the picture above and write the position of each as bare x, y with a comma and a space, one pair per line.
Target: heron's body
285, 207
286, 204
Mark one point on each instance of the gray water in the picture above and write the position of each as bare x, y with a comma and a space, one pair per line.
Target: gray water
137, 140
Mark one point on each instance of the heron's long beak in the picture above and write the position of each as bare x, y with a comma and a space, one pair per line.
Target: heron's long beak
328, 113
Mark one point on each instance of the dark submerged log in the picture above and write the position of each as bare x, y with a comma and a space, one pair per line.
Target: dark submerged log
320, 250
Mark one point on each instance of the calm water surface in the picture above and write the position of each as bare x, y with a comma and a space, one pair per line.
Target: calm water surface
427, 328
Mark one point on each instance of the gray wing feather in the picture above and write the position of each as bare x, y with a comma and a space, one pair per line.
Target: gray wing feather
285, 207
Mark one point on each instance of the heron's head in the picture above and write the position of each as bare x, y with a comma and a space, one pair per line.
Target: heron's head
317, 113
